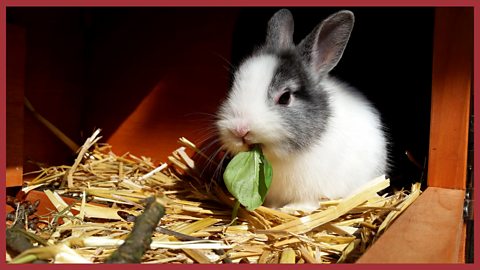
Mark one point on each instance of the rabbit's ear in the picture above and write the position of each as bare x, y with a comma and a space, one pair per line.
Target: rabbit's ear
280, 30
324, 46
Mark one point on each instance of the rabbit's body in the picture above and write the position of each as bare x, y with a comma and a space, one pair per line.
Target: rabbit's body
323, 138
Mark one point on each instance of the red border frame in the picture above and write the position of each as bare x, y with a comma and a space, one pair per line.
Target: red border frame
179, 3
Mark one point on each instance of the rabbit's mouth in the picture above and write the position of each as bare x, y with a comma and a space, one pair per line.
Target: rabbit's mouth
248, 141
234, 144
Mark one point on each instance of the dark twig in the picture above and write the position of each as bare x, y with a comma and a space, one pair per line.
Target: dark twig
139, 240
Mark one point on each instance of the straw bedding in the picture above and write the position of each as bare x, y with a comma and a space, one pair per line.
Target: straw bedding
197, 227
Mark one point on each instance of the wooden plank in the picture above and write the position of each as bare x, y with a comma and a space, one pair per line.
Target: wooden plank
451, 85
429, 231
14, 103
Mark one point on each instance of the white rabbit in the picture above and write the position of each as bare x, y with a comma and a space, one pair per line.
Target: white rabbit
323, 138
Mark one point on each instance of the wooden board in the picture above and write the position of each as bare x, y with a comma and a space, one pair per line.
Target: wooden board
429, 231
451, 85
14, 103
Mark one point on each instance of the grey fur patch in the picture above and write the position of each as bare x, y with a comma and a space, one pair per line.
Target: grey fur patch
307, 116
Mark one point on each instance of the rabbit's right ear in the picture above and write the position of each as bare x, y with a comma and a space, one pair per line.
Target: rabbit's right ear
280, 30
324, 46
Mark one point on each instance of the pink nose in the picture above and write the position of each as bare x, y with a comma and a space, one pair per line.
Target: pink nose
240, 131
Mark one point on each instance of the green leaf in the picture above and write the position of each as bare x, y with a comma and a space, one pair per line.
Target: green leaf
266, 174
248, 177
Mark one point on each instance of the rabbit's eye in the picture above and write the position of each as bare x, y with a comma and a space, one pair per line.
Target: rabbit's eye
285, 98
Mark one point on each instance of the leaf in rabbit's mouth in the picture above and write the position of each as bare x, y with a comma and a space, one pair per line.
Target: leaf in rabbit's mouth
250, 144
248, 177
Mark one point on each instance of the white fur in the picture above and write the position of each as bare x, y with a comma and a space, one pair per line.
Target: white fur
350, 153
246, 106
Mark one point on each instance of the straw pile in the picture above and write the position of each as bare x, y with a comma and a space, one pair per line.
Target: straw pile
197, 225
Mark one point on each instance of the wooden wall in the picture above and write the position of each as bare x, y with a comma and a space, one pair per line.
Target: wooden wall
141, 75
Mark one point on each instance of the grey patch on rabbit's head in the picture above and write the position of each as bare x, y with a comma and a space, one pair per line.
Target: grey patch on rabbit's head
307, 115
306, 66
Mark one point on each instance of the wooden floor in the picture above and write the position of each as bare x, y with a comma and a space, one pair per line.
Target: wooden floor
431, 230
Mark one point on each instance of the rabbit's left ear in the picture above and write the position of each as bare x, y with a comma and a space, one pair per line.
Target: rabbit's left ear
324, 46
280, 30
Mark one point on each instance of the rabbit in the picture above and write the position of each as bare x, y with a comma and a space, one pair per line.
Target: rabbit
323, 138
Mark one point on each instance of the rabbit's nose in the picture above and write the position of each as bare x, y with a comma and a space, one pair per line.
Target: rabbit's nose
240, 131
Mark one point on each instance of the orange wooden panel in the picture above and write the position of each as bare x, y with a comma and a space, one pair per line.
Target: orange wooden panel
14, 103
430, 231
177, 90
451, 85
